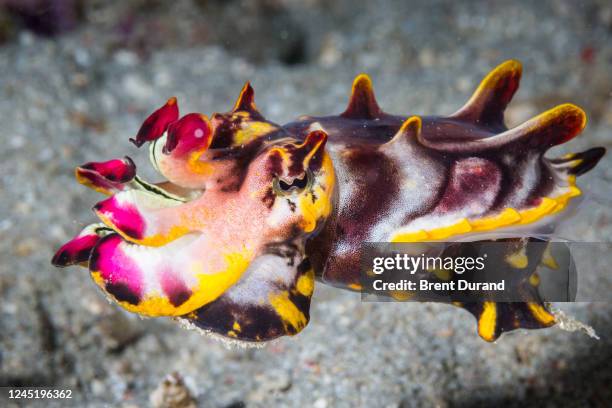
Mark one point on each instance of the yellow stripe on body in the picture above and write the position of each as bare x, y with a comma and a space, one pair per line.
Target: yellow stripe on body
508, 217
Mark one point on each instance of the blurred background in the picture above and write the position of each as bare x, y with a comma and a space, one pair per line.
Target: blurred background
78, 77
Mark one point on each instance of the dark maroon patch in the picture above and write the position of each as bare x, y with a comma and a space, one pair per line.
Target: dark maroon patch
225, 129
76, 251
61, 258
303, 267
179, 297
275, 164
269, 198
469, 180
344, 269
378, 189
296, 168
122, 293
257, 323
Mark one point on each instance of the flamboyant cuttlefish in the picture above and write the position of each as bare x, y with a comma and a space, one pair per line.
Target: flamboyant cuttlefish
253, 212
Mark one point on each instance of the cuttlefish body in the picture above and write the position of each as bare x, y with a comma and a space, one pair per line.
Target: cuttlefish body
253, 212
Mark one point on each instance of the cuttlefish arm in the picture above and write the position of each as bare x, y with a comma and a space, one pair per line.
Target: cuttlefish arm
116, 175
272, 299
172, 279
159, 256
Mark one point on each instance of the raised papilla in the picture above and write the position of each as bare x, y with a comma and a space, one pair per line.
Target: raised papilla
252, 212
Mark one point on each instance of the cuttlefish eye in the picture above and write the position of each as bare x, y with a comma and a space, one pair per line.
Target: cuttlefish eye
298, 184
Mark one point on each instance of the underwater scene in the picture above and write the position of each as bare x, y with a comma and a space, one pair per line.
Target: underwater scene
305, 203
